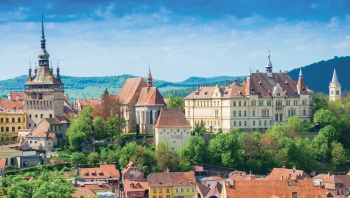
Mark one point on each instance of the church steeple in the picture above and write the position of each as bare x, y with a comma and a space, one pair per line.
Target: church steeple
30, 71
301, 84
334, 88
269, 66
149, 77
43, 55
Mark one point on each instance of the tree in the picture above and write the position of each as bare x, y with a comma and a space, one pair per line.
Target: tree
99, 128
294, 127
163, 156
320, 101
199, 128
325, 117
93, 158
322, 141
144, 158
195, 150
114, 126
78, 158
250, 145
338, 154
223, 149
126, 153
110, 106
175, 102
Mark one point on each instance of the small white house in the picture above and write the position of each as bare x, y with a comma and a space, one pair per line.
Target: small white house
173, 128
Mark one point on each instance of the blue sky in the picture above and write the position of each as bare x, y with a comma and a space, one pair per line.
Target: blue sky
177, 38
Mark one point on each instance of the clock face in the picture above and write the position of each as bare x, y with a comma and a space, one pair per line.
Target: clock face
34, 95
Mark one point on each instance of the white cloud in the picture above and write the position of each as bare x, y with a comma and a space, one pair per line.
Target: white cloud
343, 44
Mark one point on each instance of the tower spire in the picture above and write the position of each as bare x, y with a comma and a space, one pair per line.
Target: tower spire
43, 55
149, 77
269, 66
300, 73
335, 77
30, 70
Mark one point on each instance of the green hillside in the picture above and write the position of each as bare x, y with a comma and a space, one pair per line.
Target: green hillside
318, 75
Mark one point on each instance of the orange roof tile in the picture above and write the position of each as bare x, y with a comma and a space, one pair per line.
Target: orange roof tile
12, 105
41, 131
171, 179
284, 173
172, 117
131, 90
135, 185
274, 188
83, 192
104, 171
2, 163
150, 96
14, 95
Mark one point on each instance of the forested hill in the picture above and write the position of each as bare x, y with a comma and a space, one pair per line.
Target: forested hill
317, 76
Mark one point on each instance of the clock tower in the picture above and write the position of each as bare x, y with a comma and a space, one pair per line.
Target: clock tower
44, 91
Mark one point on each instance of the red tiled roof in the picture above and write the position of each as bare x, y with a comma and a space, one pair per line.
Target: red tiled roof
12, 105
172, 117
14, 95
105, 171
131, 90
131, 185
274, 188
150, 96
83, 192
171, 179
88, 102
284, 173
2, 163
258, 84
40, 132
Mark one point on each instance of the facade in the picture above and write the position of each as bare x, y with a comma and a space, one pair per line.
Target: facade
10, 155
173, 128
334, 88
172, 184
12, 114
259, 102
333, 184
44, 92
135, 185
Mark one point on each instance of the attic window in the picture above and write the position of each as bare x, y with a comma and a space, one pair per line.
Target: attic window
240, 92
303, 90
132, 185
138, 185
286, 83
206, 93
226, 92
260, 83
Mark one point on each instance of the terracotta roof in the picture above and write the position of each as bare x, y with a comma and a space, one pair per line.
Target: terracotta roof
88, 102
83, 192
197, 168
258, 84
207, 191
171, 179
172, 117
130, 164
101, 186
240, 175
13, 96
40, 132
2, 163
131, 90
104, 171
150, 96
274, 188
12, 105
53, 120
131, 185
284, 173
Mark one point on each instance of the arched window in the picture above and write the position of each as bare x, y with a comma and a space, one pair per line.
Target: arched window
13, 119
281, 117
19, 119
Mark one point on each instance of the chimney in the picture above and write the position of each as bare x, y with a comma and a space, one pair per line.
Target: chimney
257, 71
280, 71
283, 167
329, 174
17, 97
294, 169
9, 96
198, 88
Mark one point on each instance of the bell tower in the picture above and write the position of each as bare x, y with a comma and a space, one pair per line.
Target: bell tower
334, 88
44, 91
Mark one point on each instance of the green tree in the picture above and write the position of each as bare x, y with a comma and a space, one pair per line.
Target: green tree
93, 158
114, 126
338, 154
320, 101
175, 102
322, 141
78, 158
294, 127
99, 128
163, 156
223, 149
126, 153
195, 150
325, 117
144, 158
199, 128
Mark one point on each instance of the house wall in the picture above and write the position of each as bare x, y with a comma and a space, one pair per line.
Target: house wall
11, 122
155, 192
133, 173
174, 137
184, 191
8, 154
146, 117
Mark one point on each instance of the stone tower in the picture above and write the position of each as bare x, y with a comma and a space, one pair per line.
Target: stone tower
334, 88
44, 91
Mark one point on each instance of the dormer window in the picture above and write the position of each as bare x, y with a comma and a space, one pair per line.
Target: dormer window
132, 185
260, 83
138, 185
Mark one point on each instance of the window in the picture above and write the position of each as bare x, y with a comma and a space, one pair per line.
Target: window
160, 190
13, 129
295, 103
50, 115
253, 103
167, 190
234, 114
182, 189
268, 103
278, 103
216, 113
30, 115
188, 189
245, 113
239, 123
281, 117
192, 189
2, 129
253, 123
7, 120
337, 92
265, 123
265, 113
7, 129
304, 112
2, 120
36, 115
261, 103
177, 190
239, 113
13, 119
291, 112
253, 113
188, 103
245, 123
304, 102
154, 196
234, 123
168, 196
19, 119
188, 112
276, 117
154, 190
41, 115
259, 122
245, 103
234, 104
29, 125
239, 103
287, 103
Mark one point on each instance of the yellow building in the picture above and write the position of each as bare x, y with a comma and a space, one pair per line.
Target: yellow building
11, 122
9, 154
173, 184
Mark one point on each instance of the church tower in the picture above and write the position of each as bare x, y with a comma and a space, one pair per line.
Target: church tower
269, 67
334, 88
44, 91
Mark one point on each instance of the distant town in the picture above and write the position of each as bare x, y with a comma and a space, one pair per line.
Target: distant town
268, 135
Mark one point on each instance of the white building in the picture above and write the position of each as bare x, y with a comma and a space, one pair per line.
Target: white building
334, 88
259, 102
172, 128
